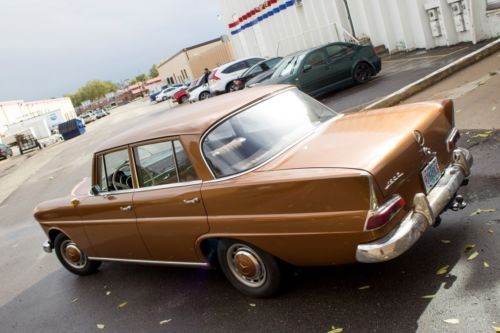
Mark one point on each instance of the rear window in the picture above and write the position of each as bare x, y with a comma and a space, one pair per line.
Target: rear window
235, 67
258, 133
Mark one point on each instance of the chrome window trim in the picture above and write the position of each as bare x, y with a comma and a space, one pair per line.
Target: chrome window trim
154, 262
150, 188
453, 132
244, 108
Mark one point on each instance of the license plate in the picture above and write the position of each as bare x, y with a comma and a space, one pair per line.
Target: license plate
431, 174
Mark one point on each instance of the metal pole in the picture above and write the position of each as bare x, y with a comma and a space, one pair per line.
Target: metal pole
349, 18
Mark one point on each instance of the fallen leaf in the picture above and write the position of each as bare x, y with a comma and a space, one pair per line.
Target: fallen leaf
490, 231
108, 293
493, 108
101, 326
428, 296
253, 305
496, 329
336, 330
458, 111
74, 300
479, 211
121, 305
453, 321
443, 270
364, 287
485, 264
469, 247
445, 241
166, 321
51, 177
473, 255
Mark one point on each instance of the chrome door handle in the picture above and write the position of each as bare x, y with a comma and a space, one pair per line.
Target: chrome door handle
192, 201
126, 208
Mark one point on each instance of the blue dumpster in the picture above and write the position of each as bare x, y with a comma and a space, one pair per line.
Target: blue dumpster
71, 128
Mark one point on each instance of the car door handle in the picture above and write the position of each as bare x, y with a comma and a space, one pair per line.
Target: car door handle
126, 208
192, 201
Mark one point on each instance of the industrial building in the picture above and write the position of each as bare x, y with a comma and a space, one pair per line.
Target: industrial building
280, 27
18, 111
189, 63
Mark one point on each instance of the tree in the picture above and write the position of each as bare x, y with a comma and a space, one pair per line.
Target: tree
91, 91
153, 72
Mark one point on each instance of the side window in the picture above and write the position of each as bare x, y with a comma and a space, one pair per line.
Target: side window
163, 163
272, 62
235, 67
254, 71
335, 51
253, 61
317, 58
155, 164
184, 166
113, 171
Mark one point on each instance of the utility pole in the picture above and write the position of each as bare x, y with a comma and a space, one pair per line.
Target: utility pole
349, 18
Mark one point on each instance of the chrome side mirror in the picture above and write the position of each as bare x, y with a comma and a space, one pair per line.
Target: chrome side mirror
95, 190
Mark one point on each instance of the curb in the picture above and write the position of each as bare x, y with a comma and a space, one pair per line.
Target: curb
434, 77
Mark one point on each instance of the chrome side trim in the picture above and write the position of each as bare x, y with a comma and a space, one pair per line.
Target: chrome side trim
154, 262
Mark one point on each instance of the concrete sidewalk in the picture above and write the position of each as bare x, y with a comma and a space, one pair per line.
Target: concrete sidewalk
475, 91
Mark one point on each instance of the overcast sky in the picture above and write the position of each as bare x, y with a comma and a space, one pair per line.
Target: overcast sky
51, 47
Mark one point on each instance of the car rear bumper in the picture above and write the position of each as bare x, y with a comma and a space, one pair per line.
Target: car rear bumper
424, 212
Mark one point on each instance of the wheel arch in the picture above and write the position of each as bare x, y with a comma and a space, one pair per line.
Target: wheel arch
363, 60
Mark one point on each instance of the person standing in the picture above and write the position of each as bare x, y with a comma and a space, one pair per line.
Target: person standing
206, 75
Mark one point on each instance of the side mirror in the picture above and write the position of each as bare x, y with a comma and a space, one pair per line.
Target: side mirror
95, 190
307, 68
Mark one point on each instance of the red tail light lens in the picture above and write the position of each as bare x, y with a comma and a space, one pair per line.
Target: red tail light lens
384, 214
213, 76
451, 141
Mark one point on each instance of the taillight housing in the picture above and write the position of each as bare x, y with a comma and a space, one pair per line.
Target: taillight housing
452, 139
213, 76
385, 213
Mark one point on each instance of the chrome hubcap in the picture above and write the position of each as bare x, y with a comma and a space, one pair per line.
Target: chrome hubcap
72, 255
246, 265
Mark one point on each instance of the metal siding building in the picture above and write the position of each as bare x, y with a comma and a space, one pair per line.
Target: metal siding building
280, 27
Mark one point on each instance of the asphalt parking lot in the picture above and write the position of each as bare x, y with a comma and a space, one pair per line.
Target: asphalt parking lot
403, 295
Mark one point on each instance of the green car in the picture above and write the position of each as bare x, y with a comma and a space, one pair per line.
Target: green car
320, 70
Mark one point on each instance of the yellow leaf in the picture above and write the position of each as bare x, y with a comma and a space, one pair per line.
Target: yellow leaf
479, 211
443, 270
101, 326
428, 296
364, 287
121, 305
473, 255
336, 330
490, 231
453, 321
445, 241
496, 329
166, 321
485, 264
253, 305
469, 247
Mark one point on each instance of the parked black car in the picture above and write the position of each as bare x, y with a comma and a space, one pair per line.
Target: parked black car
5, 151
322, 69
259, 68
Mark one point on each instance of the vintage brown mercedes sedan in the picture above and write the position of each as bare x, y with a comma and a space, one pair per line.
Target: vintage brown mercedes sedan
258, 178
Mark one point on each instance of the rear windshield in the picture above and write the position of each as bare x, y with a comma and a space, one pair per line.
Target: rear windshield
258, 133
288, 66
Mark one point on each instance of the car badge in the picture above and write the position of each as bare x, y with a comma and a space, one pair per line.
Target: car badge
419, 138
393, 180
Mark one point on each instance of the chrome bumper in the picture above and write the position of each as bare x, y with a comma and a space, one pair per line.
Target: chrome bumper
47, 246
424, 212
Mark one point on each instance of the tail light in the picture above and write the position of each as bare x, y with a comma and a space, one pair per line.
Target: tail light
213, 76
385, 213
451, 141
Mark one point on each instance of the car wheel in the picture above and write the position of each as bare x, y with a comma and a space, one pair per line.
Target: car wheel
204, 95
232, 87
362, 72
249, 269
184, 99
72, 258
164, 98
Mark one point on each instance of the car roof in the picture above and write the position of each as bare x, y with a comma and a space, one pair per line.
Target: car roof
222, 67
193, 118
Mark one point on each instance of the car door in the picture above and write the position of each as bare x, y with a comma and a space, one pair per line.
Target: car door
315, 72
340, 58
109, 217
168, 204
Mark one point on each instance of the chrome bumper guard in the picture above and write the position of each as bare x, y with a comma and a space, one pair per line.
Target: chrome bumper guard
424, 212
47, 246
